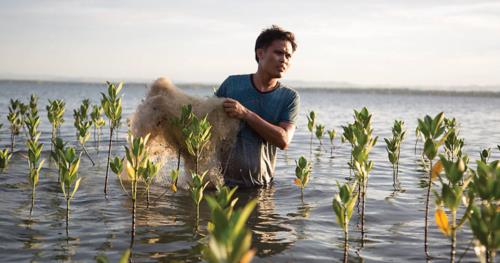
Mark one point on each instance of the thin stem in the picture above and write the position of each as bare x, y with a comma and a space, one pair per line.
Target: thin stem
32, 199
363, 195
12, 141
346, 237
453, 235
67, 216
107, 164
88, 155
426, 247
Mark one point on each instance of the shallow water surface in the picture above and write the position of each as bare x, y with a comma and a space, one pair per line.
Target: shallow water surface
286, 227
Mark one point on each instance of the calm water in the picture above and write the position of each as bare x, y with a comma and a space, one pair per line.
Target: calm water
285, 228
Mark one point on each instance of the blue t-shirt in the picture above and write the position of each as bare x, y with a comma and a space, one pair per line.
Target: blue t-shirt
252, 160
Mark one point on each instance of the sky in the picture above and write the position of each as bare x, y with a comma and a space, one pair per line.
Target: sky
370, 42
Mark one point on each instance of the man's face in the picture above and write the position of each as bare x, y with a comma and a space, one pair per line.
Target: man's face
275, 59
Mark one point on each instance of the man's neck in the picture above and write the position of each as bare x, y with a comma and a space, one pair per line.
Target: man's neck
264, 83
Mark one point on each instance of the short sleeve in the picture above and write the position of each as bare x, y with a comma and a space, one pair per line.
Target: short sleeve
291, 110
222, 90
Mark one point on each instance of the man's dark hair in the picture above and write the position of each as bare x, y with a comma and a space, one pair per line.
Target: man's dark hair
268, 35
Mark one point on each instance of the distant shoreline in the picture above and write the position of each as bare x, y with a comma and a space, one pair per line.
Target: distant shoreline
432, 91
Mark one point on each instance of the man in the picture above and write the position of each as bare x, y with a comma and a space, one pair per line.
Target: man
267, 110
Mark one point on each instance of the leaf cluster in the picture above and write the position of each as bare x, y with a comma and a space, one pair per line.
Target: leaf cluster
55, 112
229, 239
433, 131
303, 171
393, 145
69, 163
112, 104
311, 119
5, 156
343, 203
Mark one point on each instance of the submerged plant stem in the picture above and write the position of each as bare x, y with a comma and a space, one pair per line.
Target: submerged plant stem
32, 199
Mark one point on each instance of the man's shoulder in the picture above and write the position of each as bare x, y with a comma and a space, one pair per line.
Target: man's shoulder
238, 78
289, 91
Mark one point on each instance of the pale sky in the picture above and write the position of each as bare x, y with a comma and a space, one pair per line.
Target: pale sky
369, 42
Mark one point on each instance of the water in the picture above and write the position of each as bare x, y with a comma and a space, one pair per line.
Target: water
285, 228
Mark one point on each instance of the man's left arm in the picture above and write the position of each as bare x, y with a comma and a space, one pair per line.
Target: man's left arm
279, 135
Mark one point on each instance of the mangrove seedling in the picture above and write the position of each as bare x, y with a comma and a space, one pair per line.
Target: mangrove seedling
59, 145
348, 136
98, 122
320, 131
55, 113
363, 143
311, 119
393, 147
229, 240
453, 144
34, 154
112, 106
343, 204
16, 121
452, 192
148, 173
485, 218
69, 163
302, 172
5, 156
174, 174
197, 187
137, 157
331, 134
82, 125
181, 123
434, 133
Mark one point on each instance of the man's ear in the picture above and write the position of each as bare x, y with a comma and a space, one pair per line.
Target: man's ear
260, 53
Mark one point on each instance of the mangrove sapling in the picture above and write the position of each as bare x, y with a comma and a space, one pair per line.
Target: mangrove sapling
137, 157
348, 136
393, 147
55, 114
485, 217
197, 134
112, 106
148, 173
452, 191
5, 156
320, 131
343, 204
16, 121
485, 155
34, 153
82, 125
59, 145
363, 144
229, 240
434, 134
69, 163
311, 119
331, 134
302, 172
98, 122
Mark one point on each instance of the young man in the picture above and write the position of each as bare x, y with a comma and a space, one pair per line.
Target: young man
267, 110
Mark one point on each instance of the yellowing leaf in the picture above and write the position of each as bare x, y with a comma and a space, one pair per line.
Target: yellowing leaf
247, 257
130, 171
442, 221
173, 188
436, 169
297, 182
